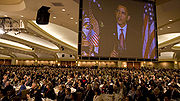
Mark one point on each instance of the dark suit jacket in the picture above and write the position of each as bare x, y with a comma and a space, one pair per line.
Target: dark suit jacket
61, 95
109, 42
23, 87
133, 43
89, 95
8, 88
50, 94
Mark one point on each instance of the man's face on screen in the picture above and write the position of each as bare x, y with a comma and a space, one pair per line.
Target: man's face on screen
122, 15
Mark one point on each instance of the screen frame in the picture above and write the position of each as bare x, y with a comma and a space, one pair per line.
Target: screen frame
80, 57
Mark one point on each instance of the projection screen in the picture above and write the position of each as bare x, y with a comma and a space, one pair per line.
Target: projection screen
118, 28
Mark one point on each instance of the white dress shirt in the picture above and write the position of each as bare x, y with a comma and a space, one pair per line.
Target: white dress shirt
119, 30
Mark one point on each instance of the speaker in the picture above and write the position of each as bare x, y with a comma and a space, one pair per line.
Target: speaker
63, 55
70, 55
43, 15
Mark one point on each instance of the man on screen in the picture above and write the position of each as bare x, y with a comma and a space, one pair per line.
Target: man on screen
125, 39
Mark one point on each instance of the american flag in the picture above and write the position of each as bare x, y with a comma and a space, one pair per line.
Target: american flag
149, 40
94, 37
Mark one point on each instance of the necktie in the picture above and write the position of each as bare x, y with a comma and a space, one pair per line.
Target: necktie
121, 40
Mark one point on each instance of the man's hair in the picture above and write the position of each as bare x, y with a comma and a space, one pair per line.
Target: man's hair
122, 6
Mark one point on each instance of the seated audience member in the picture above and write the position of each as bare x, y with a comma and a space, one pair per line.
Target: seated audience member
23, 87
97, 96
38, 95
172, 93
32, 91
8, 86
68, 96
5, 79
61, 93
50, 92
4, 96
89, 94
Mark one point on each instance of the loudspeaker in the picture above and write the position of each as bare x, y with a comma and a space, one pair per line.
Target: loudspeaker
43, 15
70, 55
63, 55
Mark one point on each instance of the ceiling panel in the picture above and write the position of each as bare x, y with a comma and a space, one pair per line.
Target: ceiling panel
61, 33
14, 44
34, 39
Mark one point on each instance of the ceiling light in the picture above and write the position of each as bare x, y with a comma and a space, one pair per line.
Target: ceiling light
71, 18
63, 10
170, 20
5, 15
54, 17
175, 62
76, 22
22, 16
168, 27
161, 29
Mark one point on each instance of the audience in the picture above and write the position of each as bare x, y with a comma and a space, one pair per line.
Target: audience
88, 84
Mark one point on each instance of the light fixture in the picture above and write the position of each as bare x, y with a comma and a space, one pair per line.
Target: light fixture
168, 27
63, 9
76, 22
54, 17
8, 24
71, 18
170, 20
161, 29
175, 62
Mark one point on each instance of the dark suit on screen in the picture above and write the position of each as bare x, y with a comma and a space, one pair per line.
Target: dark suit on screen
132, 44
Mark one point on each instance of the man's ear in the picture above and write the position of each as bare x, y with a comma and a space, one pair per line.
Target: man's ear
128, 18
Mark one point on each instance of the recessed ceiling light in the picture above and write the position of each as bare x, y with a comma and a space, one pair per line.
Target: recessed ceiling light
76, 22
5, 15
168, 27
63, 9
170, 20
71, 18
54, 17
22, 16
161, 28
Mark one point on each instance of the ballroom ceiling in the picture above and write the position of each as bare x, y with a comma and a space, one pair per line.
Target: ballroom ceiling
49, 42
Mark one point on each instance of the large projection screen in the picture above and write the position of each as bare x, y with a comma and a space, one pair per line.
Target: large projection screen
117, 29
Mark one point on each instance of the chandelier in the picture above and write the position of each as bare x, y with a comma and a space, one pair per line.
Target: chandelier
8, 24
